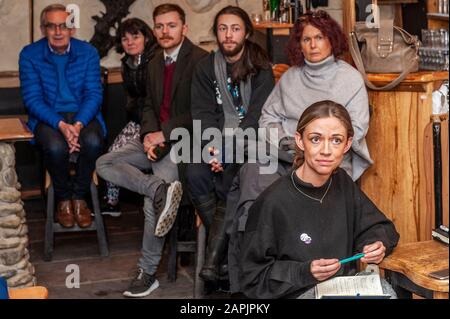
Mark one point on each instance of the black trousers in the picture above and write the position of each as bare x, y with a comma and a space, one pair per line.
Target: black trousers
202, 181
56, 156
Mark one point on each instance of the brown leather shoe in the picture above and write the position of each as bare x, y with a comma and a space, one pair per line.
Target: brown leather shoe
64, 214
82, 213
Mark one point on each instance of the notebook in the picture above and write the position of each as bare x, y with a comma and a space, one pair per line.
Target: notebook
358, 287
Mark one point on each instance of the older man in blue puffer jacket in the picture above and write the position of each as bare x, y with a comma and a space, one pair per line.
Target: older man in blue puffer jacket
62, 91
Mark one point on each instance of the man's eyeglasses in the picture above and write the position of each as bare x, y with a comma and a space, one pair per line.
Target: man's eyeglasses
53, 26
313, 15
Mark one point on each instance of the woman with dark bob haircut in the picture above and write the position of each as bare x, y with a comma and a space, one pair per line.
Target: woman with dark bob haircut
303, 224
316, 48
134, 38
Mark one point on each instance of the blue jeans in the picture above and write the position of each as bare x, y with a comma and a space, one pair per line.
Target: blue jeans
56, 156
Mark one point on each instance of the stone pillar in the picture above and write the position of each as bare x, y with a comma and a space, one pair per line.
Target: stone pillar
15, 265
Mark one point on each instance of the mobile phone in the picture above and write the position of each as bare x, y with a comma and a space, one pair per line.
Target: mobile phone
161, 151
440, 274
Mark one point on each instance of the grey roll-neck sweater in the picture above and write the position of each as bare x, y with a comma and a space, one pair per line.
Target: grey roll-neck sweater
330, 79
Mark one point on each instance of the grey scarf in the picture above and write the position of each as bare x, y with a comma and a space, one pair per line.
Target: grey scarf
229, 111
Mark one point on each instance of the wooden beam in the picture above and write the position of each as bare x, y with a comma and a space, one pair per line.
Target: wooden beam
348, 23
349, 16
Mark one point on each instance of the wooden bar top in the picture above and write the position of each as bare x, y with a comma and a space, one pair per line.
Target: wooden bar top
416, 77
417, 260
9, 79
14, 129
272, 25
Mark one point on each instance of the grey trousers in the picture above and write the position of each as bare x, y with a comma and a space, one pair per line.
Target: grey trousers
123, 167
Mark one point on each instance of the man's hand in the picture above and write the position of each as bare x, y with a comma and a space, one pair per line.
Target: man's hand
66, 131
374, 253
77, 127
151, 154
74, 144
71, 134
216, 166
153, 139
323, 269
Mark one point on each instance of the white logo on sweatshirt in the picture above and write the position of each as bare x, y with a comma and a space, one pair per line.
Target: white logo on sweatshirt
305, 238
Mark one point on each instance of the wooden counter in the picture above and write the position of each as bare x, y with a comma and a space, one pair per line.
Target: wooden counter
401, 181
415, 261
276, 28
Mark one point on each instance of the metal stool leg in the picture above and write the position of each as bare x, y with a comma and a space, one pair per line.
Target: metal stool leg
49, 235
101, 233
199, 285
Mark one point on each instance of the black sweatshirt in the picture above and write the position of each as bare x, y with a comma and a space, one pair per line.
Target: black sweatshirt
286, 231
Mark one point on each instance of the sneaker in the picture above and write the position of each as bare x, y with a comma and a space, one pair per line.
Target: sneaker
142, 285
111, 210
166, 202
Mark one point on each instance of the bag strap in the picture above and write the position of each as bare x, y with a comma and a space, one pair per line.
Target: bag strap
356, 55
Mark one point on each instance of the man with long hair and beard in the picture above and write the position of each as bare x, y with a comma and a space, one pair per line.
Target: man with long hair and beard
229, 88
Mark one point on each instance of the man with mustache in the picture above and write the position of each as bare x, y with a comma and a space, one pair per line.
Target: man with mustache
167, 107
62, 91
229, 89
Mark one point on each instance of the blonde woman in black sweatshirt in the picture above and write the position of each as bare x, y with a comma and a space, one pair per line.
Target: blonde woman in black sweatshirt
306, 221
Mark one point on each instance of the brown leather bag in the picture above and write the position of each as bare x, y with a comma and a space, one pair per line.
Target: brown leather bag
388, 49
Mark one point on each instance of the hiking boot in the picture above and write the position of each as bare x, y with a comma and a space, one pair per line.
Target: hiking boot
166, 202
142, 285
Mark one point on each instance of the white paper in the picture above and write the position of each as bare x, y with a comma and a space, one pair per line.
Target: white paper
350, 286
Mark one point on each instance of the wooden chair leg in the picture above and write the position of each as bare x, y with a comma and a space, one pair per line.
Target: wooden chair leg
101, 232
48, 243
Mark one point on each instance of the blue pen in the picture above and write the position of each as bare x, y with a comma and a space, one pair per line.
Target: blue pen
346, 260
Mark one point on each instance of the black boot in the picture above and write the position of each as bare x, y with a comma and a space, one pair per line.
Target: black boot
215, 247
206, 208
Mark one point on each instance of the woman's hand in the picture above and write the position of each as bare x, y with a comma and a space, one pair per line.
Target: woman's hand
374, 253
323, 269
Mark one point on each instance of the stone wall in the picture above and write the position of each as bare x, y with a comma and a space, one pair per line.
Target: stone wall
14, 21
14, 255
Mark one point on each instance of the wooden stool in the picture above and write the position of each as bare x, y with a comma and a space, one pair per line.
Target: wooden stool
52, 227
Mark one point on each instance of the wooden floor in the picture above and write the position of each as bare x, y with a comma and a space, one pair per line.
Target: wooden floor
100, 277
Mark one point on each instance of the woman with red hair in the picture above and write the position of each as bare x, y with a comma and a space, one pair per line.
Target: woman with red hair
316, 49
